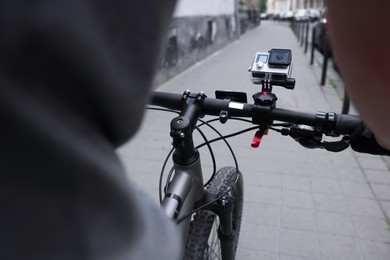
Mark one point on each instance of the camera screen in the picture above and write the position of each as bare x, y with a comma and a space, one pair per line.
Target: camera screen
261, 57
280, 57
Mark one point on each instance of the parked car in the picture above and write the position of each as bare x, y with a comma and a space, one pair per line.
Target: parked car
321, 30
311, 15
314, 15
287, 16
302, 15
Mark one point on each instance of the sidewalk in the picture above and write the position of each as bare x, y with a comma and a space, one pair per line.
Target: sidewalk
299, 203
333, 78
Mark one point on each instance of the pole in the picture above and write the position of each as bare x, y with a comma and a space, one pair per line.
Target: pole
326, 58
237, 15
307, 36
312, 46
346, 102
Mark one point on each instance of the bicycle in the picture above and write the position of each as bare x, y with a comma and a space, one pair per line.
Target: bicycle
209, 214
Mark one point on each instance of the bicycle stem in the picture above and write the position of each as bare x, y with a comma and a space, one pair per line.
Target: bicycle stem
187, 184
183, 126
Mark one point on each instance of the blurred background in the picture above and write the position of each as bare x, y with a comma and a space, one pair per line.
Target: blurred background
199, 28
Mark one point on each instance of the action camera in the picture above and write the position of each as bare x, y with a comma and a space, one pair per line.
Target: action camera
275, 65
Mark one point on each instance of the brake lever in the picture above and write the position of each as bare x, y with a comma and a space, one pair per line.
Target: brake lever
309, 138
337, 146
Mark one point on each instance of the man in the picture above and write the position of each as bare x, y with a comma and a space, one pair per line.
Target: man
361, 44
74, 78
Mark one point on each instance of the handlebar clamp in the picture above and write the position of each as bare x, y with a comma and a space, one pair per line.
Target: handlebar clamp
265, 102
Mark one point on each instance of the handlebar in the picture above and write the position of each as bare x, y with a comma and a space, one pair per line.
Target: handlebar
335, 124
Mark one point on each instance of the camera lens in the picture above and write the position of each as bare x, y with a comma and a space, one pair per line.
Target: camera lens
280, 57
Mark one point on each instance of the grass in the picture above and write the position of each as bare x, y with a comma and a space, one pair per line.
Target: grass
332, 83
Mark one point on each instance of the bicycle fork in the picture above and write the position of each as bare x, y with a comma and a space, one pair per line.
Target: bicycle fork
225, 231
186, 192
223, 207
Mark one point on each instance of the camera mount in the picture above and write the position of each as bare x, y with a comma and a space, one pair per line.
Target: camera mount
268, 83
272, 68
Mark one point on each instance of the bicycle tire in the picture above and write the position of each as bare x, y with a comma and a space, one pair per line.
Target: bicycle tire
204, 225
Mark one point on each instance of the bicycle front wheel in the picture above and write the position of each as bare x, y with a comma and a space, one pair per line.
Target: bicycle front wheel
203, 241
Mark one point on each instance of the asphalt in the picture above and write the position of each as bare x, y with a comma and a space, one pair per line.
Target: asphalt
299, 203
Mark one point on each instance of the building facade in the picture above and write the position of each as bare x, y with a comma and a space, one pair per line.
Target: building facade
277, 6
201, 27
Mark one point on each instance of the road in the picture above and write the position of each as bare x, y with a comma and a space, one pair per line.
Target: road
299, 203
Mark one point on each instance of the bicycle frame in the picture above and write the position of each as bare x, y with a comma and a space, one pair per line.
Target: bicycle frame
185, 194
186, 190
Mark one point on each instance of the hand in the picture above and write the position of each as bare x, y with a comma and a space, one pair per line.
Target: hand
362, 140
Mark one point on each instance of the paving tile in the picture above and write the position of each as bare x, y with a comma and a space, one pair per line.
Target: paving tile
338, 248
373, 250
355, 189
297, 199
286, 257
387, 160
380, 177
374, 163
257, 163
265, 195
323, 171
382, 191
329, 186
364, 155
249, 254
365, 207
145, 166
386, 207
257, 237
296, 168
262, 214
344, 160
293, 157
371, 229
334, 223
298, 219
299, 243
332, 203
272, 180
300, 183
350, 174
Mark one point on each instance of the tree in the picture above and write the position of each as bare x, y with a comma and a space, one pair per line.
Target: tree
263, 6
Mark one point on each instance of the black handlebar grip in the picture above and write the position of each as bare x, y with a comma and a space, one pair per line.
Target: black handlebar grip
346, 124
167, 100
